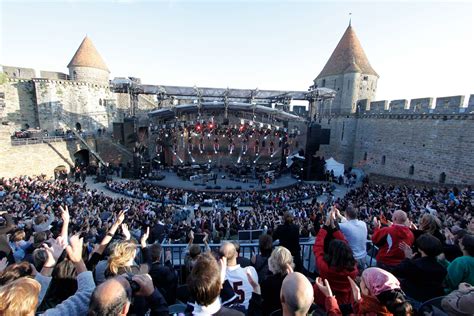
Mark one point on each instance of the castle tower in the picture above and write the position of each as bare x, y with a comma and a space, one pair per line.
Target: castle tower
87, 64
349, 73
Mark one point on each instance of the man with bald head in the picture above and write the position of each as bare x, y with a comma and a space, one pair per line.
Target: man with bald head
236, 275
113, 297
388, 239
296, 295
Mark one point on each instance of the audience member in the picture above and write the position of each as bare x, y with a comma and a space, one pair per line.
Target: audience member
388, 239
237, 275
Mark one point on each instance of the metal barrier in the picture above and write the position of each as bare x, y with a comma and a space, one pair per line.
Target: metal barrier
247, 250
47, 139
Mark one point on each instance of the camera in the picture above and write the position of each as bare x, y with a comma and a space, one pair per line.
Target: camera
133, 284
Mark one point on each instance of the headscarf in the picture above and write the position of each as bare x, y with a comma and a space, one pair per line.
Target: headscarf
378, 280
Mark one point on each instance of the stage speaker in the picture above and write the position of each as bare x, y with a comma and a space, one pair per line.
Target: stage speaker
129, 131
313, 138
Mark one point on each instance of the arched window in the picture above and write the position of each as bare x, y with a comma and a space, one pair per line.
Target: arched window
100, 101
411, 171
442, 177
323, 84
365, 156
383, 160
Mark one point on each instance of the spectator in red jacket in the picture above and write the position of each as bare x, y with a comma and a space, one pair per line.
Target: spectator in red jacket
335, 262
388, 239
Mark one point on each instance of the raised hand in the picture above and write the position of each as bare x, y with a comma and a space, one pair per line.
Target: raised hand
223, 262
406, 250
167, 255
65, 213
146, 284
125, 231
377, 223
324, 287
120, 217
54, 251
255, 285
74, 249
145, 237
355, 290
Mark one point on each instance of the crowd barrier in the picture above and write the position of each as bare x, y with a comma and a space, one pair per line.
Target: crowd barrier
247, 250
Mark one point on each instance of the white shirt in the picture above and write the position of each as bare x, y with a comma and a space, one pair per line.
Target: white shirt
355, 232
237, 277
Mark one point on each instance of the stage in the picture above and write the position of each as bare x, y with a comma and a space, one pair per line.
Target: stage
172, 180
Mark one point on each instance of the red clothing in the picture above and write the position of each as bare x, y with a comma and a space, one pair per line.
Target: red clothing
388, 240
337, 278
367, 306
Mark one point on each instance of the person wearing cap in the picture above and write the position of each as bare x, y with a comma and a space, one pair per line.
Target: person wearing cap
460, 302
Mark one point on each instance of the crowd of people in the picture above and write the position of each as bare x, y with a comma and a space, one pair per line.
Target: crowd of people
148, 191
67, 249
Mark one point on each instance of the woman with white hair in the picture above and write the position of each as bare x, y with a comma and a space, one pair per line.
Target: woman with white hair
280, 264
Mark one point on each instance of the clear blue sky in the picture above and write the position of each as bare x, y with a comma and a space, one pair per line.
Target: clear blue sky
418, 48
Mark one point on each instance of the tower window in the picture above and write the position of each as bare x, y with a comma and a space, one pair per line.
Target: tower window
323, 84
365, 156
411, 171
442, 177
383, 160
366, 78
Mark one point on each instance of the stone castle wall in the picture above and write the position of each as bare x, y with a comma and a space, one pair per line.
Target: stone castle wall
417, 148
19, 104
91, 105
35, 159
424, 139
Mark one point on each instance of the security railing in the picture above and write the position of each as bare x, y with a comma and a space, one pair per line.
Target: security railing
247, 250
46, 139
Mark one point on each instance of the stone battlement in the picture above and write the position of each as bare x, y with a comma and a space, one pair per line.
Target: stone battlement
451, 105
59, 82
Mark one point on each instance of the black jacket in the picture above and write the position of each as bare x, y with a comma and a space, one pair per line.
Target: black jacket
422, 278
271, 293
289, 236
165, 279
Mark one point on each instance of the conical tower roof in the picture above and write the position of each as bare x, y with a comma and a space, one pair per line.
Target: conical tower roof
347, 57
87, 56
